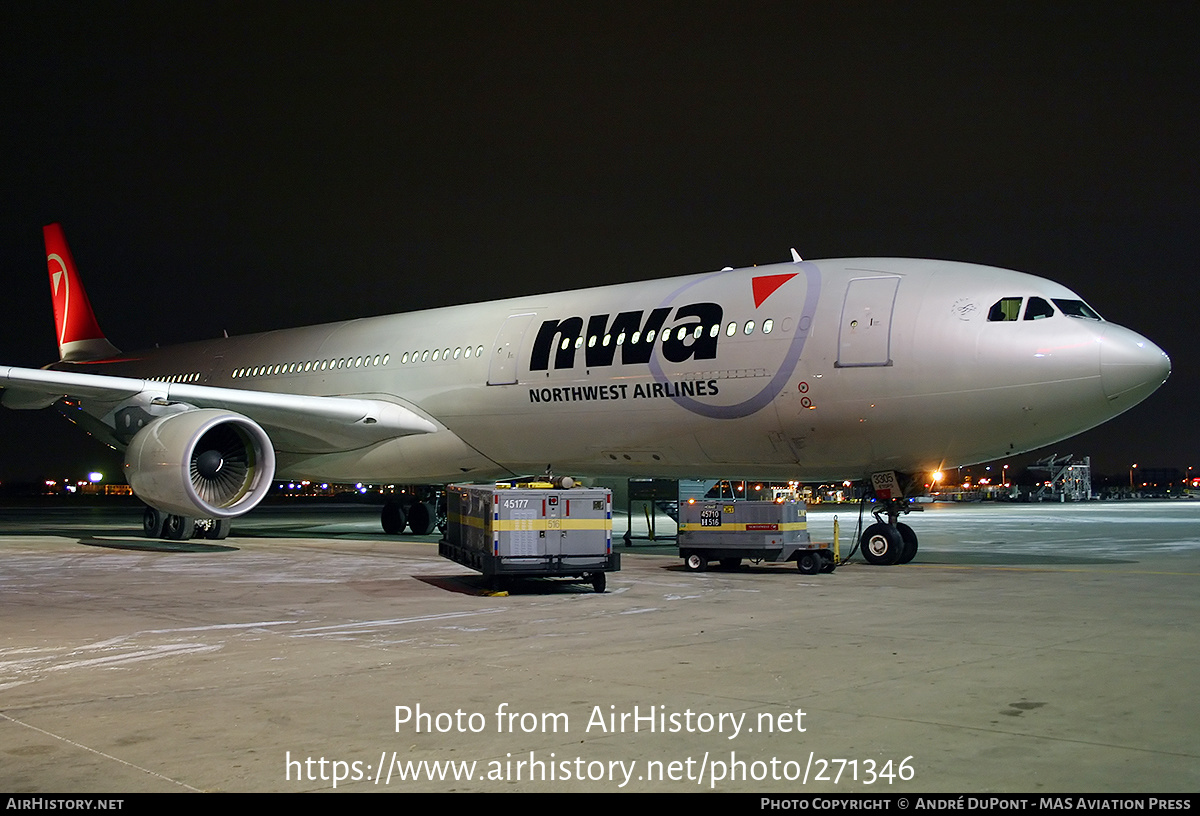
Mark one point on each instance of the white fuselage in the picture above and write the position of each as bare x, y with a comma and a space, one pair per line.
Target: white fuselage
811, 370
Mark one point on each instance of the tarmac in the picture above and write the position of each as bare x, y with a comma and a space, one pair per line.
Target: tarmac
1028, 648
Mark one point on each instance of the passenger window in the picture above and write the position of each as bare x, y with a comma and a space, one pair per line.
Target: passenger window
1004, 310
1037, 309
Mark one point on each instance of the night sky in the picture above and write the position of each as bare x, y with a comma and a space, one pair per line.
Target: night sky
250, 166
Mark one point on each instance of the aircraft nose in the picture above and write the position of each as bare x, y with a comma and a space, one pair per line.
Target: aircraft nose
1131, 367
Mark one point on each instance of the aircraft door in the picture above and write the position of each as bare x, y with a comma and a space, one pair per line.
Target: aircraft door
865, 334
502, 370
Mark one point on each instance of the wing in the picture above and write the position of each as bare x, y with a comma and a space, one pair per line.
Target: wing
295, 422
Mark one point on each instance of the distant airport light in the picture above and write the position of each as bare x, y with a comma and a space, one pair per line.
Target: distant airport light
95, 476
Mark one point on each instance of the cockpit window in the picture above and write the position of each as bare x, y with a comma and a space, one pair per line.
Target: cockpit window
1037, 309
1005, 309
1077, 308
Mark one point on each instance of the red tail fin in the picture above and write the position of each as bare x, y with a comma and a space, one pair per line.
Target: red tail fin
79, 336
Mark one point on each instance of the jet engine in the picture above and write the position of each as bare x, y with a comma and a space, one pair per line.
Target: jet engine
204, 463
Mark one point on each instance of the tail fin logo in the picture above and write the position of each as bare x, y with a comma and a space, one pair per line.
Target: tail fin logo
60, 280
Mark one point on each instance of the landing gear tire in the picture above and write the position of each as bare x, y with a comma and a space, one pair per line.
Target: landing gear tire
599, 582
730, 564
827, 562
910, 543
393, 518
218, 530
422, 518
694, 562
152, 522
881, 544
443, 522
178, 528
810, 562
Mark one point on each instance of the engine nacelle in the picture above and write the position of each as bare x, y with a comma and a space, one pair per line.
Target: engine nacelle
205, 463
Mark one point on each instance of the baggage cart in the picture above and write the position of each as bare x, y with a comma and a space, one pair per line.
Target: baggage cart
531, 531
728, 531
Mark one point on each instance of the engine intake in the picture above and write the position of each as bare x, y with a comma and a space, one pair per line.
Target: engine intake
205, 463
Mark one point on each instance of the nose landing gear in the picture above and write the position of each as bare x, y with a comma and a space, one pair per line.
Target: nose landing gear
885, 543
890, 541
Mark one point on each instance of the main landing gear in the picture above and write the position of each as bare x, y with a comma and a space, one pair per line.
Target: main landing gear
157, 524
422, 514
889, 542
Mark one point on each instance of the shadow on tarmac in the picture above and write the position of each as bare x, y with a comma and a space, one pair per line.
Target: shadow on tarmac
152, 545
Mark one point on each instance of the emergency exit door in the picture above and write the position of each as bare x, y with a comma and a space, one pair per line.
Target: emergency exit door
502, 369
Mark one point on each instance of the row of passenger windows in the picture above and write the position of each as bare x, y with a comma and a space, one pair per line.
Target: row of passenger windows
467, 352
681, 333
464, 353
177, 378
311, 365
1009, 308
440, 354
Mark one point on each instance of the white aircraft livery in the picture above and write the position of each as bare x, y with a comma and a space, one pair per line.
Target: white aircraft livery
809, 370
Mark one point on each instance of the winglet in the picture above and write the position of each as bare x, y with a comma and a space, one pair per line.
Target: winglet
79, 336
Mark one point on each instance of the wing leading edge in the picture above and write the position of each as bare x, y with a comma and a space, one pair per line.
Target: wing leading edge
295, 421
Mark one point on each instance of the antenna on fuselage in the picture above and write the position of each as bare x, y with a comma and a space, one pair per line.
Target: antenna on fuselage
796, 256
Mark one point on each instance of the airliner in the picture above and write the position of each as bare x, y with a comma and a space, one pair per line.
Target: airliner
854, 368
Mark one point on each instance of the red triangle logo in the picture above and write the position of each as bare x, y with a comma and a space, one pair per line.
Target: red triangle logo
765, 286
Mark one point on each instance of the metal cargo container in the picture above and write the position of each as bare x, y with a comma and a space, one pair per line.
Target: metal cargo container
536, 531
728, 531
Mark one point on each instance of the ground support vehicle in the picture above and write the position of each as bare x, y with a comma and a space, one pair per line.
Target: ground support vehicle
728, 531
531, 530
